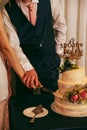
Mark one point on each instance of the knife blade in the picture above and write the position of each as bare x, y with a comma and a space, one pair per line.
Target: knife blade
46, 90
42, 88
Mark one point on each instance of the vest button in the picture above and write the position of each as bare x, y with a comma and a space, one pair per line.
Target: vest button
41, 45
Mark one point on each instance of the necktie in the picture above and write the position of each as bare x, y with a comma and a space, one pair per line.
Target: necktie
32, 12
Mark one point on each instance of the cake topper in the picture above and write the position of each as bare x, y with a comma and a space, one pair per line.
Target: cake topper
72, 50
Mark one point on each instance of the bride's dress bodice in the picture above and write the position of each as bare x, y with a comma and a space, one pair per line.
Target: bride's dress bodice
3, 79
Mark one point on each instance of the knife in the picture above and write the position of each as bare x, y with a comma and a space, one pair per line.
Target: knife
42, 88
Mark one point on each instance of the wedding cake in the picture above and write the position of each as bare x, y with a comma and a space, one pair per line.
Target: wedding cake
71, 96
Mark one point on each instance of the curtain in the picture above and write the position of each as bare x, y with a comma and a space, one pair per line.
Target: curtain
75, 12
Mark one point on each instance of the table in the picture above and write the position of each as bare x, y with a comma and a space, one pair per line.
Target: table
52, 121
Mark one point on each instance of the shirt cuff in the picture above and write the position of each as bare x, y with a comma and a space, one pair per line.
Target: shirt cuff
27, 66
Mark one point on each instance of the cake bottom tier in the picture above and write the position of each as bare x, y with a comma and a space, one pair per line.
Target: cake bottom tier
68, 109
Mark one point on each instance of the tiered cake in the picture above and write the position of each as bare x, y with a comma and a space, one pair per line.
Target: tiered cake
71, 96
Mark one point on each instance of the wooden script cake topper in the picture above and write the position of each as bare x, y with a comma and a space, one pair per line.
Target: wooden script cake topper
72, 50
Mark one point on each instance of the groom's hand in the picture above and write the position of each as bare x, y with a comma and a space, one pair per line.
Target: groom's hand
30, 79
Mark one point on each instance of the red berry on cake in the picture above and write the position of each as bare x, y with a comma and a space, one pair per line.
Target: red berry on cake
74, 98
83, 94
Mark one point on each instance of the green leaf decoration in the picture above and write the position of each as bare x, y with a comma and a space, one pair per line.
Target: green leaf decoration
67, 66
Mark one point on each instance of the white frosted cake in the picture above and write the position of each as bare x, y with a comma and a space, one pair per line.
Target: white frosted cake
71, 97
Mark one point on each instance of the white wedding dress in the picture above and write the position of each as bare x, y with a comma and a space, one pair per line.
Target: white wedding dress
4, 88
3, 79
4, 94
